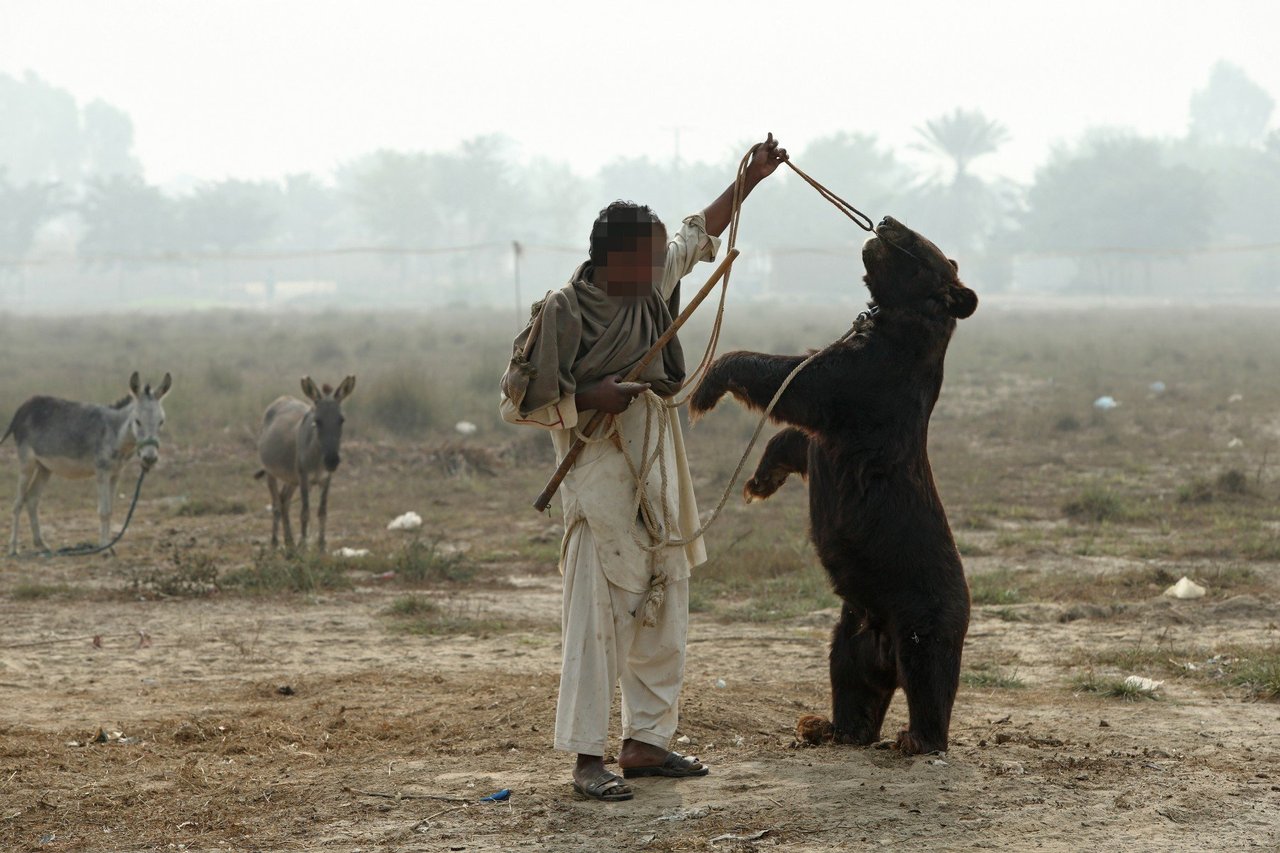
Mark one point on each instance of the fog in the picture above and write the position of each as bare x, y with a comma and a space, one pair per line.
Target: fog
175, 155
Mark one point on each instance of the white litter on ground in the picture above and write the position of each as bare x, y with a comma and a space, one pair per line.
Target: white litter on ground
1105, 403
1141, 684
1235, 398
1185, 588
348, 553
1157, 387
1234, 443
409, 521
465, 427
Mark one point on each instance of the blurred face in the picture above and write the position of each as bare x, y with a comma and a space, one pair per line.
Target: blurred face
631, 271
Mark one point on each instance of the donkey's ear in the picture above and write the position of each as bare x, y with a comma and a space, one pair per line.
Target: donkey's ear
165, 385
344, 390
135, 384
309, 388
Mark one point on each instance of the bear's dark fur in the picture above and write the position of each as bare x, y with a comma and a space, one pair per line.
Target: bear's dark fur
859, 423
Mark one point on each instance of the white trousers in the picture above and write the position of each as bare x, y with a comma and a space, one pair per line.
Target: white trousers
605, 644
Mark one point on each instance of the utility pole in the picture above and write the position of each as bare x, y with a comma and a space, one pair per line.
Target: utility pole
675, 138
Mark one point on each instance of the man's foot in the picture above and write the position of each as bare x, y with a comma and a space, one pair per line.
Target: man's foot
607, 787
591, 779
596, 783
639, 759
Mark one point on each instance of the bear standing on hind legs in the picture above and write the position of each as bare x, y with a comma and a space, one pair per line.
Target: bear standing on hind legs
858, 419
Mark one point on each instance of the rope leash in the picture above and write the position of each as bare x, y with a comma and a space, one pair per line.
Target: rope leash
86, 550
739, 193
859, 218
642, 509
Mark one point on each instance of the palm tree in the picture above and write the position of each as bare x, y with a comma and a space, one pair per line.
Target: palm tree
962, 136
966, 208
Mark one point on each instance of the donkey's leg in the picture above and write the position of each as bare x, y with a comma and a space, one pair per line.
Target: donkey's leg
34, 489
105, 493
26, 471
304, 489
274, 488
322, 512
286, 495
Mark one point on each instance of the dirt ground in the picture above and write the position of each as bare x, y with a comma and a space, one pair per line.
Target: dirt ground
238, 723
139, 713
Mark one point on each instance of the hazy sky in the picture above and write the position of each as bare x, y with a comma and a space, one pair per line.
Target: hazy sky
259, 88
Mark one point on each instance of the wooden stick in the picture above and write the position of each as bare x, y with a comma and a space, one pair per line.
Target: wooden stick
544, 499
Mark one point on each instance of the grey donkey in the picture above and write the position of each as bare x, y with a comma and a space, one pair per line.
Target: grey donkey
298, 447
81, 440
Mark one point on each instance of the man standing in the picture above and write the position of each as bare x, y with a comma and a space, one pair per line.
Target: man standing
626, 606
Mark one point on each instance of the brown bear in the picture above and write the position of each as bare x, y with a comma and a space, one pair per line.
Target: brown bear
859, 425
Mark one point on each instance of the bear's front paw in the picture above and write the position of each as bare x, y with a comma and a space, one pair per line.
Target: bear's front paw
757, 489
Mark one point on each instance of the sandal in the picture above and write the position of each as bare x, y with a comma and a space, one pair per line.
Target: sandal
607, 787
676, 766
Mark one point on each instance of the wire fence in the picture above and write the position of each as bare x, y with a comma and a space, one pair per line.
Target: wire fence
511, 275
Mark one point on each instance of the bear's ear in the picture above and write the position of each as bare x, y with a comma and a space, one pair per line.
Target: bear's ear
961, 301
954, 265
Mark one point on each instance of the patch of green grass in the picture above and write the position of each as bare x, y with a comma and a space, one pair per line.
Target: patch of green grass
784, 596
1259, 673
27, 591
1233, 481
1260, 547
1114, 688
984, 676
1142, 657
1229, 577
977, 521
402, 402
699, 600
425, 561
190, 573
1012, 614
1067, 423
998, 587
1023, 540
422, 615
277, 571
197, 507
765, 576
1096, 505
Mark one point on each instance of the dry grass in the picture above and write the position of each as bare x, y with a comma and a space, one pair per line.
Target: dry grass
1014, 441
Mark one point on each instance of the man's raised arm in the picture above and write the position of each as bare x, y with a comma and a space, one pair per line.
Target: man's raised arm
764, 161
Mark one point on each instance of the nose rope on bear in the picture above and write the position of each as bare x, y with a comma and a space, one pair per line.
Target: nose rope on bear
859, 218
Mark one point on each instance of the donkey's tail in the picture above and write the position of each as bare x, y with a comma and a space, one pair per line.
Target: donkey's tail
257, 475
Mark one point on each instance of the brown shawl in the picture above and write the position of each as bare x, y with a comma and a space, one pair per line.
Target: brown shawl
585, 335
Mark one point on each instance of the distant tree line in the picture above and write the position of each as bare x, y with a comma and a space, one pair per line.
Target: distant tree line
1110, 190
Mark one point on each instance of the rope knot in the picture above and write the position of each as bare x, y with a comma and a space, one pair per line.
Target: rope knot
654, 599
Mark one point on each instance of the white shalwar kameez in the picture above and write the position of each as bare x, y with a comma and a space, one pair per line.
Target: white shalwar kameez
607, 574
